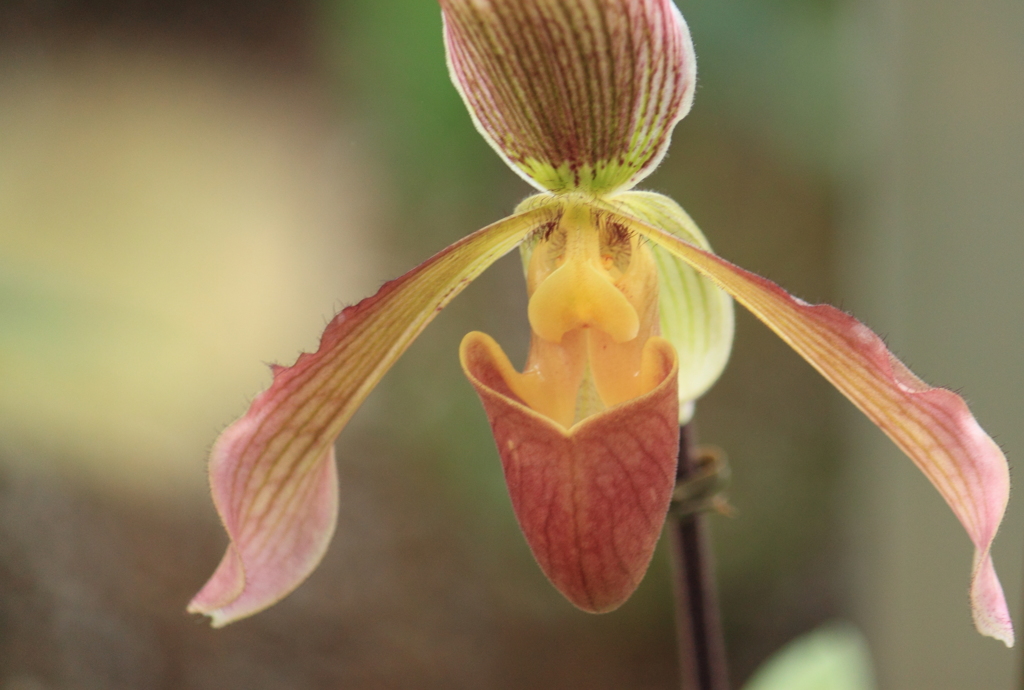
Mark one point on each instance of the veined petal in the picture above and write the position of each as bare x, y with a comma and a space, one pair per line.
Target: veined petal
573, 94
272, 472
931, 425
591, 499
696, 315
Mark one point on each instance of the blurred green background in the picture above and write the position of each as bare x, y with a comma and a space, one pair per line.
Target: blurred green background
189, 190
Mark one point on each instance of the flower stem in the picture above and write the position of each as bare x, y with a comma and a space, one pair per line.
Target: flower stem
702, 662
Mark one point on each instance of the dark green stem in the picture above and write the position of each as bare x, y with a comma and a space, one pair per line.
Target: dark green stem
702, 662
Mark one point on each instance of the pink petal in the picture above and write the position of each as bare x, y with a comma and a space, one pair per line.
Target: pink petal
573, 94
272, 472
268, 557
931, 425
591, 500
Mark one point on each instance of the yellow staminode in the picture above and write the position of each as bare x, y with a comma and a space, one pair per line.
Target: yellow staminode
593, 309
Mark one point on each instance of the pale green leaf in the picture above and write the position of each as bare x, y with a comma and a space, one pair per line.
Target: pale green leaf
833, 657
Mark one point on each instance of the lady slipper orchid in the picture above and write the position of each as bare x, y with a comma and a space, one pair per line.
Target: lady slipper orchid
631, 322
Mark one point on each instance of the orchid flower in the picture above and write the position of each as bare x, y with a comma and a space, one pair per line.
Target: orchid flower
631, 321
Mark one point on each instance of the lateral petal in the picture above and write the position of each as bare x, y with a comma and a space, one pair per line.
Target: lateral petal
933, 426
272, 472
591, 499
573, 94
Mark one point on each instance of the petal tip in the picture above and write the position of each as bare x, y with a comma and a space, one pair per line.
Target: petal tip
275, 545
216, 617
988, 603
224, 587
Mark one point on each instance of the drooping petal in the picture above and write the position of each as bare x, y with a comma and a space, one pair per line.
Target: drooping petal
591, 499
696, 315
573, 94
272, 472
931, 425
264, 562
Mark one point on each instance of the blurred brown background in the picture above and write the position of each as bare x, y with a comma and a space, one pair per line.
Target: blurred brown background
191, 189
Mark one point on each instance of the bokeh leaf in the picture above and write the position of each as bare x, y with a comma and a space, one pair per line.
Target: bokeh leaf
833, 657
